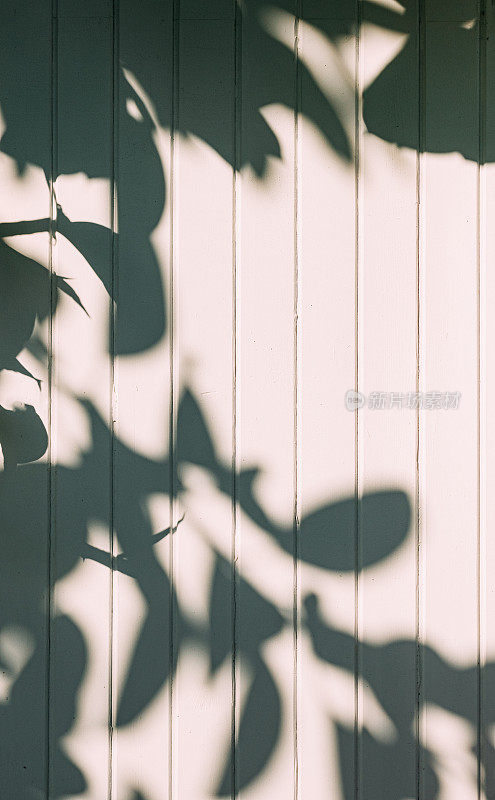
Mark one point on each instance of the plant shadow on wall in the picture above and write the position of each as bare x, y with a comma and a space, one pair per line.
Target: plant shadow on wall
30, 294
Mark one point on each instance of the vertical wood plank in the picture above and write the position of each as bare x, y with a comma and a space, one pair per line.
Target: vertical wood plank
449, 439
25, 530
143, 657
266, 761
387, 431
81, 395
203, 378
327, 442
487, 374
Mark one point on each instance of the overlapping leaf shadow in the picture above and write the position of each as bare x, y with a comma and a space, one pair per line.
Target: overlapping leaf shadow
28, 294
82, 494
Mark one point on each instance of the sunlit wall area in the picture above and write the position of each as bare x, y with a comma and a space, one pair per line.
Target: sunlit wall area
246, 365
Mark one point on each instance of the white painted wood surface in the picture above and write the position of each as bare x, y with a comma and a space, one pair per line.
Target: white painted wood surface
221, 581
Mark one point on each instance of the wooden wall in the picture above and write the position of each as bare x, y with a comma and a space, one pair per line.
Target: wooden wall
229, 575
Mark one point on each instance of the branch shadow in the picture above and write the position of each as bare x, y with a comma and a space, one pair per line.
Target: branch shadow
29, 295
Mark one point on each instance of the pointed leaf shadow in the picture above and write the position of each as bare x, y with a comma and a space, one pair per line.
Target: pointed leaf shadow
258, 733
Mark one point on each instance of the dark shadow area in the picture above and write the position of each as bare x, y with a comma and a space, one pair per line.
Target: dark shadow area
102, 126
390, 768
